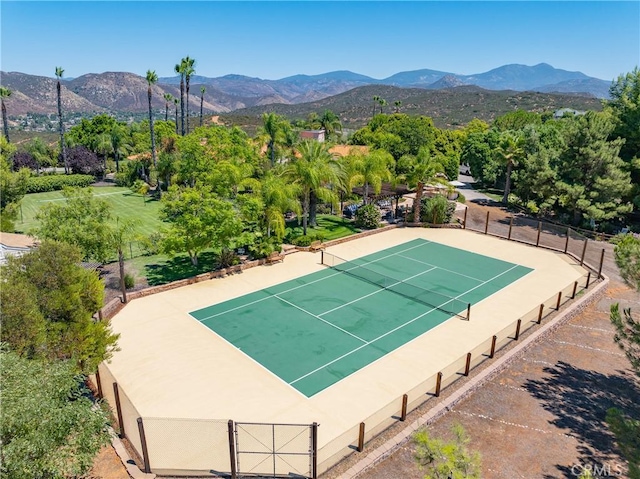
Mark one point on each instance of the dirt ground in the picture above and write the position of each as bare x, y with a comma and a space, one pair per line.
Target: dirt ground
541, 417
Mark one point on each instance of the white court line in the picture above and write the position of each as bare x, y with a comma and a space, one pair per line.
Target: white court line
321, 319
439, 267
304, 285
400, 327
65, 199
375, 292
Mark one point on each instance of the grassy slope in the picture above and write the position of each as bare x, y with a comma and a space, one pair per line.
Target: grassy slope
123, 202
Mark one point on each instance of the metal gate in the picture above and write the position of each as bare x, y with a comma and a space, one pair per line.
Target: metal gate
276, 450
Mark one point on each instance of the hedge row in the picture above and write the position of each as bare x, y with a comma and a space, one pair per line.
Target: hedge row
40, 184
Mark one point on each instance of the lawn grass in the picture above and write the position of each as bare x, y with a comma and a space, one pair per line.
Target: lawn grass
494, 193
329, 226
124, 205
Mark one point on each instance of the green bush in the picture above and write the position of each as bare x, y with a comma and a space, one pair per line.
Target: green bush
227, 257
306, 240
437, 210
368, 217
129, 281
41, 184
461, 198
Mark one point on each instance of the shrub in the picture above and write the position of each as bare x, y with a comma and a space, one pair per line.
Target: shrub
306, 240
437, 210
129, 281
24, 159
40, 184
151, 244
368, 217
226, 258
81, 160
263, 248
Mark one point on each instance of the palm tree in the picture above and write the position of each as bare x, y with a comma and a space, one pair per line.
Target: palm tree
509, 152
313, 172
278, 196
168, 98
370, 170
330, 122
376, 100
152, 79
175, 102
423, 170
397, 104
179, 69
273, 127
102, 146
189, 70
382, 103
5, 93
202, 90
63, 150
119, 144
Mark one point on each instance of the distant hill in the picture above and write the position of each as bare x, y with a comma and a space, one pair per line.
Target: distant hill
126, 92
449, 107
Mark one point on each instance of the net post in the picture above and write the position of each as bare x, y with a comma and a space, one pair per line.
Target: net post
588, 280
232, 449
438, 384
99, 384
464, 220
575, 288
143, 442
559, 300
566, 243
116, 396
467, 366
584, 251
493, 346
321, 256
518, 329
361, 438
540, 314
601, 263
510, 228
539, 231
468, 311
486, 224
403, 414
314, 450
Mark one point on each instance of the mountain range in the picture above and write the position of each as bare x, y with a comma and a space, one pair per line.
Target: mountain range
127, 92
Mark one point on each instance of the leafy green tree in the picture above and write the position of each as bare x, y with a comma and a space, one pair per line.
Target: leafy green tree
625, 105
63, 151
198, 220
13, 186
52, 314
477, 152
627, 256
370, 170
516, 120
152, 79
41, 153
446, 460
49, 427
593, 181
81, 220
313, 172
119, 235
120, 144
509, 153
5, 93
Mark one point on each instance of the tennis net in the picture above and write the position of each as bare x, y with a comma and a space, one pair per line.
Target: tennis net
429, 298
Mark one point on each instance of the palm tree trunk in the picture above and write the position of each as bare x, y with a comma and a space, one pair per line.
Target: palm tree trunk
182, 103
507, 183
365, 198
117, 157
187, 104
4, 122
166, 111
272, 152
201, 103
176, 119
63, 151
418, 202
313, 208
305, 213
122, 286
153, 138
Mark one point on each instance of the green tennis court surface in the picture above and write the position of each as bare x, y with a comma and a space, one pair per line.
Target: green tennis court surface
315, 330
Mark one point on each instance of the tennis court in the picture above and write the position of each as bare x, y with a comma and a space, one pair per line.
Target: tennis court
315, 330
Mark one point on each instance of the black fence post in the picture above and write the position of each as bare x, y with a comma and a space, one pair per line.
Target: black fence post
116, 396
143, 442
493, 346
601, 263
361, 438
566, 243
232, 449
403, 413
314, 450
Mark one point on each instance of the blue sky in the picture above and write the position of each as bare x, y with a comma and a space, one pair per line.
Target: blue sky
272, 39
